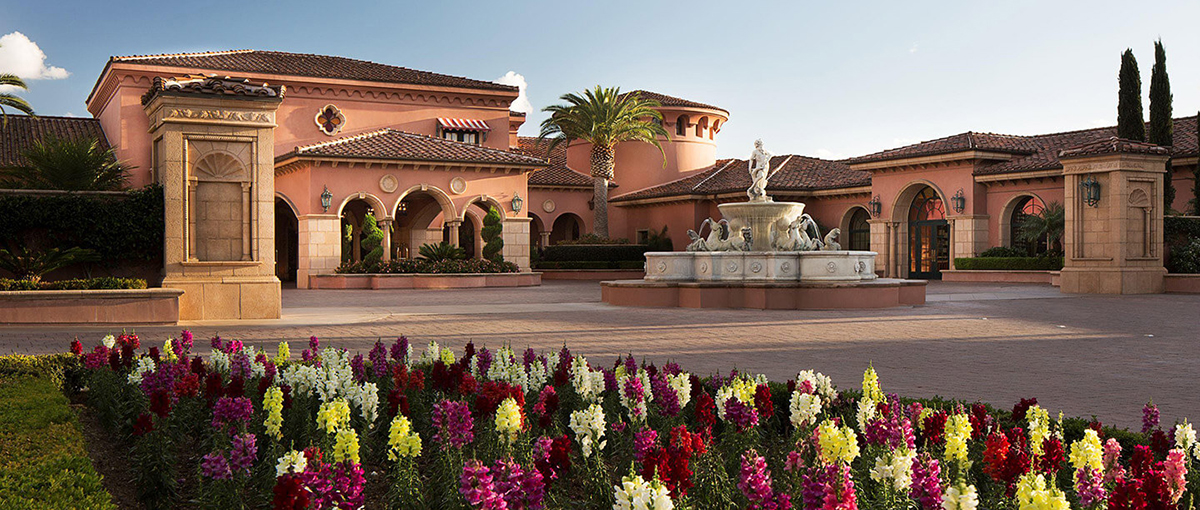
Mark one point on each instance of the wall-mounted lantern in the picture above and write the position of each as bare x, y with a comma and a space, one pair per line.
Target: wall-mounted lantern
875, 206
326, 199
517, 202
1089, 189
958, 201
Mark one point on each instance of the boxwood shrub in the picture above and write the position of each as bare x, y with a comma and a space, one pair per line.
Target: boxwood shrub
594, 252
1182, 237
118, 227
1009, 263
101, 283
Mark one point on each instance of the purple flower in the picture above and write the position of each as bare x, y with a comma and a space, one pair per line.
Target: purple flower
643, 442
475, 485
453, 423
232, 411
630, 365
484, 360
239, 366
378, 357
216, 343
1149, 417
741, 415
314, 344
926, 487
529, 357
610, 380
357, 366
400, 349
215, 466
665, 396
243, 453
755, 483
185, 339
1089, 483
829, 487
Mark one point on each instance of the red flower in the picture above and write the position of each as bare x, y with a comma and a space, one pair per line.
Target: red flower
1052, 456
127, 356
114, 360
706, 410
981, 421
213, 387
1127, 495
154, 354
935, 427
143, 425
1019, 410
130, 340
160, 403
290, 493
397, 402
558, 459
1160, 443
994, 456
187, 386
762, 401
76, 347
236, 388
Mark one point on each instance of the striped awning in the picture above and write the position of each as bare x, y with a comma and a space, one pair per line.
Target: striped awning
464, 124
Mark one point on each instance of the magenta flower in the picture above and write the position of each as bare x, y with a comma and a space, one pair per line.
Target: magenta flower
232, 412
215, 466
1089, 483
926, 487
453, 423
742, 415
400, 349
755, 483
243, 453
644, 441
665, 396
1149, 417
378, 357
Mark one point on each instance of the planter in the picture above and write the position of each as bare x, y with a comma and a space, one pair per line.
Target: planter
1182, 283
125, 306
423, 281
592, 274
997, 276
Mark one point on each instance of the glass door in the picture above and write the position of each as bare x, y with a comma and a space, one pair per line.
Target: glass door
929, 245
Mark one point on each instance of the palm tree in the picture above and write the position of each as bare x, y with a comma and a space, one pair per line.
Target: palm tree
11, 100
603, 117
1048, 224
73, 164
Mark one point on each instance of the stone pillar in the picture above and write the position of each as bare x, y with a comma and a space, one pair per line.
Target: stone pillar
953, 249
879, 243
386, 225
454, 224
893, 251
515, 234
217, 168
968, 235
544, 239
1114, 244
320, 250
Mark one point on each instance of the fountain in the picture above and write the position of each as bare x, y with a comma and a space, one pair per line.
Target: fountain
763, 254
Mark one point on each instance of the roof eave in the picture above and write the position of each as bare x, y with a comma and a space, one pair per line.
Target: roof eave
293, 156
926, 159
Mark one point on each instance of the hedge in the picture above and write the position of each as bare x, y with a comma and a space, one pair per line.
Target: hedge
422, 266
1009, 263
43, 460
593, 264
101, 283
118, 227
1182, 237
593, 252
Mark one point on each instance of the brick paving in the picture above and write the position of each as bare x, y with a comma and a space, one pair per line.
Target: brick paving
1086, 355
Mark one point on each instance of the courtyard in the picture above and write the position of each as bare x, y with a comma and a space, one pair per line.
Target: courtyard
995, 343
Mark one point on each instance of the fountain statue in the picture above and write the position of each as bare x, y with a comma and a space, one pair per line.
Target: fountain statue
760, 169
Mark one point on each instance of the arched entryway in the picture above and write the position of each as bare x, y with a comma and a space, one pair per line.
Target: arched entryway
287, 241
353, 214
1023, 207
567, 227
856, 232
928, 236
536, 227
419, 218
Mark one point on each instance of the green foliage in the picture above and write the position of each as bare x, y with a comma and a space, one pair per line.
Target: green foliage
72, 164
45, 463
659, 241
62, 369
603, 252
102, 283
1180, 234
493, 226
372, 243
591, 264
347, 243
429, 266
590, 238
31, 265
1048, 224
1185, 258
11, 100
122, 227
1009, 263
1002, 251
1130, 120
441, 251
1161, 128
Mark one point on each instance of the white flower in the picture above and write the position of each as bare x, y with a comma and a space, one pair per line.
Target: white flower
291, 462
821, 384
682, 385
109, 341
804, 407
958, 497
867, 409
635, 493
588, 384
368, 402
219, 361
1185, 439
302, 378
637, 407
588, 426
144, 365
432, 353
895, 467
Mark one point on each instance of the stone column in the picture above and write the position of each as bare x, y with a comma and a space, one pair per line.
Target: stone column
893, 250
879, 243
1114, 244
515, 233
386, 225
953, 249
320, 246
454, 224
544, 239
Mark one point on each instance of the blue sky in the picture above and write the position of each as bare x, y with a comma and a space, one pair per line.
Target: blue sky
830, 79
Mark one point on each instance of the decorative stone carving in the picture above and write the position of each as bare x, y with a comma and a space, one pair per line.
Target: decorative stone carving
548, 206
388, 183
797, 237
831, 267
458, 185
760, 170
755, 267
831, 243
228, 115
330, 120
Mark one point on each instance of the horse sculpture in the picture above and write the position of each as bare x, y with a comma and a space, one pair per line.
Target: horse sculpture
718, 237
831, 243
802, 235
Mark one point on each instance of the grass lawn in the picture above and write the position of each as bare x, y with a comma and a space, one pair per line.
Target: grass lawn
43, 460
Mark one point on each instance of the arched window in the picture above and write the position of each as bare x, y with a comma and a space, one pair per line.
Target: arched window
859, 235
927, 206
1026, 207
701, 126
716, 126
681, 125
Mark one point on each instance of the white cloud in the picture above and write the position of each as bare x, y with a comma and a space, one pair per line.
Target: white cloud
521, 104
22, 57
913, 49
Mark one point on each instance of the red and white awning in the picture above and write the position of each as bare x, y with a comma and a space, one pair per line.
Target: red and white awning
463, 124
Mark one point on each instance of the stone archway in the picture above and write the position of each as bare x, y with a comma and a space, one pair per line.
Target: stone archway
287, 239
420, 217
1018, 207
567, 227
856, 232
901, 254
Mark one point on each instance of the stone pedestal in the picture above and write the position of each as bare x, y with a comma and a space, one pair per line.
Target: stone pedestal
1114, 244
214, 156
320, 239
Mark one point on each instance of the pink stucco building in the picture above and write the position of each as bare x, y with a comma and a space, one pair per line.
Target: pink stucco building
428, 153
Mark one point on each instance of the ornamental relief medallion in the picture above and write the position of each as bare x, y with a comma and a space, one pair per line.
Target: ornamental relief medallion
388, 183
458, 185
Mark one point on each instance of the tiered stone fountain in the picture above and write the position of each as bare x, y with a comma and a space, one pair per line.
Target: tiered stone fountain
763, 254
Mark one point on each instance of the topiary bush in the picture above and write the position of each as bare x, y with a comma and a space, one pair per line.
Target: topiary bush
372, 243
493, 226
1008, 263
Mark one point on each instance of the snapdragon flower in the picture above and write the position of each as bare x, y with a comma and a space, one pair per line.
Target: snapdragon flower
804, 408
958, 432
333, 416
403, 441
345, 446
960, 496
509, 420
292, 462
283, 354
587, 383
1185, 439
870, 385
635, 493
588, 426
273, 403
1087, 452
144, 365
895, 468
1033, 493
1039, 428
836, 444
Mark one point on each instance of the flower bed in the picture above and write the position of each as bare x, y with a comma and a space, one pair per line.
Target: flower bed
422, 266
502, 429
102, 283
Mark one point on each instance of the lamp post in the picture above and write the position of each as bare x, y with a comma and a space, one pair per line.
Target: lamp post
1089, 189
517, 202
326, 199
875, 206
958, 201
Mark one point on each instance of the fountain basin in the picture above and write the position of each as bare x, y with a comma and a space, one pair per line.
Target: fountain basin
761, 217
761, 266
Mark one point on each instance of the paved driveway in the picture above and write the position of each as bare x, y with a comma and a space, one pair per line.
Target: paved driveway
1086, 355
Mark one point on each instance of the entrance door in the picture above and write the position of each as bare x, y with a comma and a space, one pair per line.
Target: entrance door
928, 236
930, 249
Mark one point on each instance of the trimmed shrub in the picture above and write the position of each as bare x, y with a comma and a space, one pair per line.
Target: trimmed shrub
1180, 234
372, 243
1185, 258
441, 251
102, 283
659, 241
594, 239
1002, 251
427, 266
575, 252
1009, 263
117, 227
592, 264
492, 228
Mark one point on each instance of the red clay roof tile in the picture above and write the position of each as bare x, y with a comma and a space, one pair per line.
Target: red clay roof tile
391, 144
22, 131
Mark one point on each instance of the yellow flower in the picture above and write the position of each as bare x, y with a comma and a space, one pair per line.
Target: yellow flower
283, 354
1039, 428
925, 413
273, 403
837, 444
1088, 452
333, 416
168, 350
403, 441
1034, 494
447, 356
508, 419
958, 432
743, 390
870, 385
345, 446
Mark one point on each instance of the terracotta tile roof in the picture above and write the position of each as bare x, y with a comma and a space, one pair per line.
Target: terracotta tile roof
22, 131
794, 174
1112, 145
211, 85
391, 144
557, 174
302, 64
666, 100
955, 143
1046, 157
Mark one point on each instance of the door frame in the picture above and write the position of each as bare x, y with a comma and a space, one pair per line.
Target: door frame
915, 242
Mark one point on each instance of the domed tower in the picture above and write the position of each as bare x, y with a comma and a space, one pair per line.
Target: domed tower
691, 147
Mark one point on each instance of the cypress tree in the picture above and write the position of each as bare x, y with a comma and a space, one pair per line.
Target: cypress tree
493, 226
1130, 122
1161, 130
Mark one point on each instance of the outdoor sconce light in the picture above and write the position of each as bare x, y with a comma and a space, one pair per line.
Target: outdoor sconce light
1089, 189
326, 199
517, 202
875, 206
958, 201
